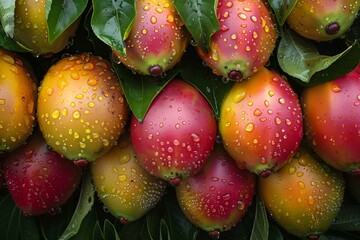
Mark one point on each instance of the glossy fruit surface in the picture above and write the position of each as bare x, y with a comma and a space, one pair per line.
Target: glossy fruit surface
323, 20
31, 29
331, 120
81, 108
17, 101
216, 198
245, 40
261, 122
40, 180
157, 40
127, 190
177, 134
304, 196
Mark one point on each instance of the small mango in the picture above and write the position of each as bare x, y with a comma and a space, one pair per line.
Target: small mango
245, 40
305, 196
157, 40
323, 20
18, 88
31, 28
81, 107
126, 189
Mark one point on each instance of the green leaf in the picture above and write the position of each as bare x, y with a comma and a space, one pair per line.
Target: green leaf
339, 235
111, 21
282, 9
348, 219
140, 90
164, 231
87, 230
83, 207
7, 11
62, 14
260, 230
8, 43
299, 58
213, 87
10, 217
29, 229
152, 223
96, 233
110, 231
134, 230
200, 19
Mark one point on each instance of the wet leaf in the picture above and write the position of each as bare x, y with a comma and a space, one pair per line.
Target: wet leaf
260, 230
200, 19
111, 21
8, 43
7, 10
140, 90
62, 14
282, 9
83, 207
89, 228
299, 58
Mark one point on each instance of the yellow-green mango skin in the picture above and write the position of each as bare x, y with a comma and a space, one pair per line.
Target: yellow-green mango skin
304, 196
310, 18
126, 189
31, 30
17, 101
81, 109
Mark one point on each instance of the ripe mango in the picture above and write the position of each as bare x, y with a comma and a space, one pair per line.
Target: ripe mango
126, 189
31, 28
81, 107
18, 88
323, 20
304, 196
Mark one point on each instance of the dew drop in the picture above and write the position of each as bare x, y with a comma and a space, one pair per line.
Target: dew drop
239, 97
82, 145
195, 137
249, 127
55, 114
122, 177
76, 114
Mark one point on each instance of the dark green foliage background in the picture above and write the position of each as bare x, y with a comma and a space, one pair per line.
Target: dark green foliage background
84, 216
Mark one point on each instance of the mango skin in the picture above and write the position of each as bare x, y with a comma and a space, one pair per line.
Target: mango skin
157, 40
31, 30
217, 198
18, 90
126, 189
177, 134
261, 122
38, 179
81, 107
323, 20
245, 40
304, 196
331, 121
